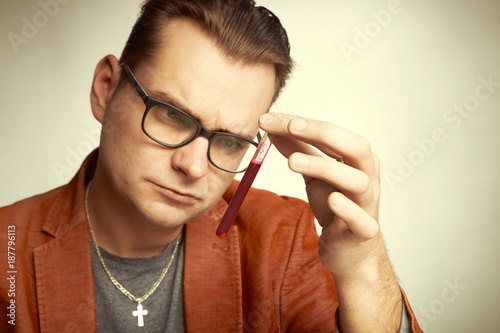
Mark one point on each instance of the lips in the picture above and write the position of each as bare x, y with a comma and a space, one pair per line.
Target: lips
180, 197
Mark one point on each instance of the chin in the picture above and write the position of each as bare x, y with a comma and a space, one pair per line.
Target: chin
164, 215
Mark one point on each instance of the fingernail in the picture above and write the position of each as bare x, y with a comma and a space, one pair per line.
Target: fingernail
300, 161
266, 119
298, 124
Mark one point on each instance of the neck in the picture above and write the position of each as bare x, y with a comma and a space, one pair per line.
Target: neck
120, 228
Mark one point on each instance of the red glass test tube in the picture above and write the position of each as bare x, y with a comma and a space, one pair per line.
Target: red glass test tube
242, 190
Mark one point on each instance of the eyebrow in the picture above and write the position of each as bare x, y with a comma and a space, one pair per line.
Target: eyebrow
166, 98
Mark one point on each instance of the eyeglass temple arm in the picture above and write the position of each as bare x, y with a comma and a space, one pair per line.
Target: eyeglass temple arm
135, 83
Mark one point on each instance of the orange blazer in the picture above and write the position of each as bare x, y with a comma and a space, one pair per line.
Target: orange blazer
264, 276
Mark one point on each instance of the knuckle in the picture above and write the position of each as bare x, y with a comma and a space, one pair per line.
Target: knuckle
377, 189
376, 161
358, 215
363, 183
374, 231
323, 130
364, 149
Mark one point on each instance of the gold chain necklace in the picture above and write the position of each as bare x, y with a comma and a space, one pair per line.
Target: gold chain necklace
140, 312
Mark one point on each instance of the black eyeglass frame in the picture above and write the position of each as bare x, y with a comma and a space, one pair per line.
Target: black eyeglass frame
200, 131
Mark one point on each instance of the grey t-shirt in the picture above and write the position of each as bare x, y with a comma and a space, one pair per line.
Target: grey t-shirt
165, 306
114, 310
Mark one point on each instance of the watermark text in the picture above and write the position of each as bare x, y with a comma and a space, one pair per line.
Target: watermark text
452, 117
30, 26
11, 274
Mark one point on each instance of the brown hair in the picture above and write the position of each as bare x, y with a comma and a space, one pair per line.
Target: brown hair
241, 30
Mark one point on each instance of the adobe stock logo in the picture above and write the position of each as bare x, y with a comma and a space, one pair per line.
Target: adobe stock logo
437, 306
75, 155
371, 30
454, 116
31, 26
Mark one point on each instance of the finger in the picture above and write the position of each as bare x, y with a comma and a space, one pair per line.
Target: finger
331, 139
287, 146
342, 176
354, 149
275, 123
359, 222
277, 128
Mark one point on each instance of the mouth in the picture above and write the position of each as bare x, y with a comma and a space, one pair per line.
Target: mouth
177, 196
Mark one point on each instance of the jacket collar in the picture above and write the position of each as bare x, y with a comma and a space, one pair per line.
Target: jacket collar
69, 203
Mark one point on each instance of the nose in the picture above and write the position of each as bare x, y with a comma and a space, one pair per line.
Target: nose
192, 159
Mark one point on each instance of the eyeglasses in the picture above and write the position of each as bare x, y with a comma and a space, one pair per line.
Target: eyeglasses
174, 128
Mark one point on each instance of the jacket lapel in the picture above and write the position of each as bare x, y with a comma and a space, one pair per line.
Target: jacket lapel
212, 276
63, 269
64, 285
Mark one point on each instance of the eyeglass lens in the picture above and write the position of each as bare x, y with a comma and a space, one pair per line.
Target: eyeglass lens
172, 127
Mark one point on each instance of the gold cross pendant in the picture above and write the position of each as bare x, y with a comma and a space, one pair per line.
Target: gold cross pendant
139, 313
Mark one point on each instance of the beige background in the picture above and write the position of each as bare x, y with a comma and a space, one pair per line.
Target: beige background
398, 88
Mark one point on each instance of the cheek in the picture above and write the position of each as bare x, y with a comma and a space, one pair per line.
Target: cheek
121, 118
219, 183
122, 135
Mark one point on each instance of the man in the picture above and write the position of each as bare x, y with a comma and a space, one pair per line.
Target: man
129, 244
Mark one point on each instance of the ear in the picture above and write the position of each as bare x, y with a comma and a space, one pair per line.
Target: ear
106, 78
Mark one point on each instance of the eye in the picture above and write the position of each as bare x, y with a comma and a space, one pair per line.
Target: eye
231, 143
173, 116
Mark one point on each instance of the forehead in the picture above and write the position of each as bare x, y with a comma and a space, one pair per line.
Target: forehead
193, 73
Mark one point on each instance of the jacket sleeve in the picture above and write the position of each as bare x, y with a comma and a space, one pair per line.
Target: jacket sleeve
308, 300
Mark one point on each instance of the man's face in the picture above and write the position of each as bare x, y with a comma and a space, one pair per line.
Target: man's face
167, 186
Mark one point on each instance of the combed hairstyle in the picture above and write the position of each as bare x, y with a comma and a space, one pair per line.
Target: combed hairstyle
242, 31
